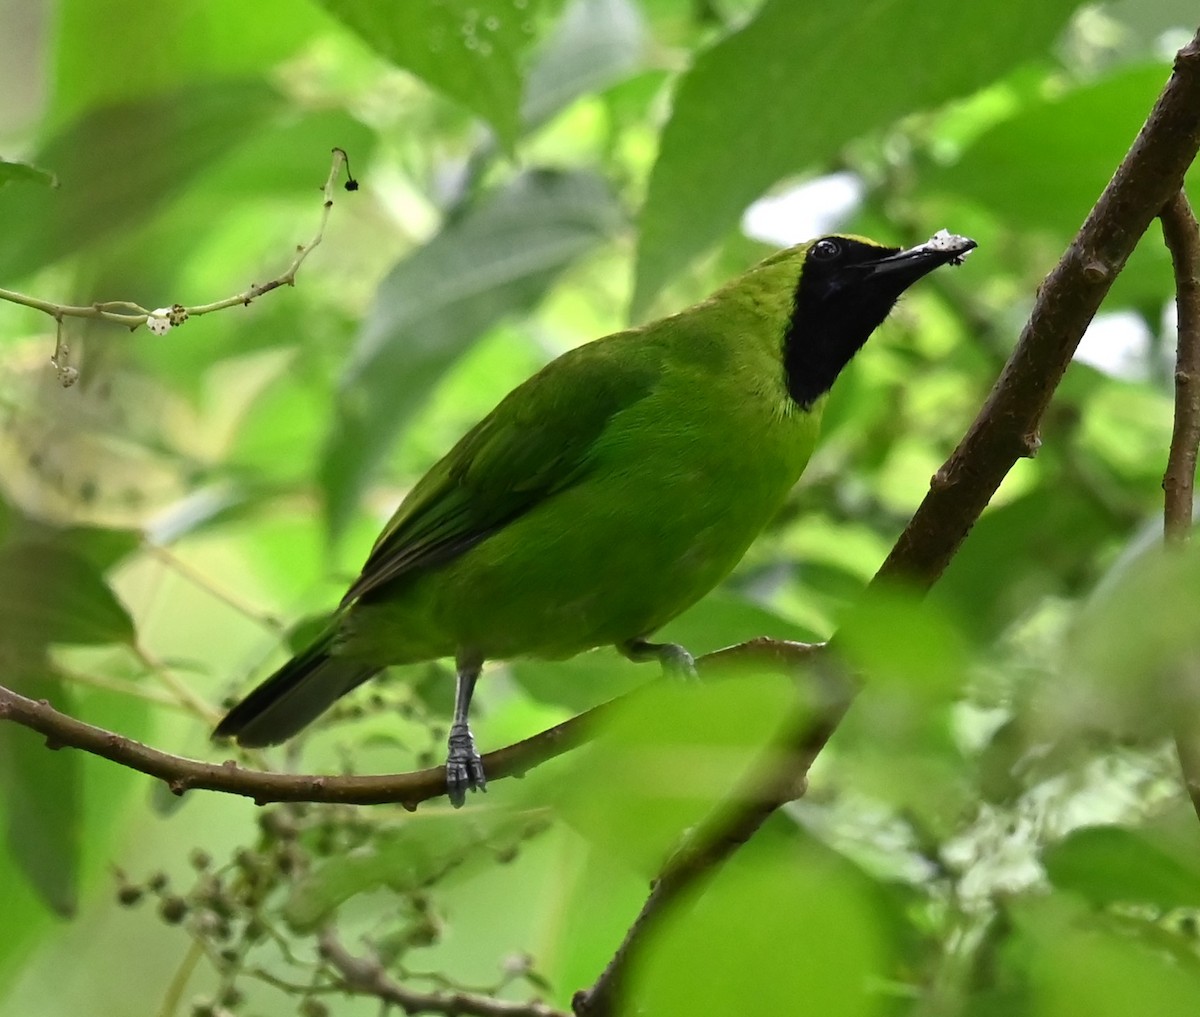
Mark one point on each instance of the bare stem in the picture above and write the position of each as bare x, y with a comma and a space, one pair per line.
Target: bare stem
1182, 237
198, 579
366, 976
132, 315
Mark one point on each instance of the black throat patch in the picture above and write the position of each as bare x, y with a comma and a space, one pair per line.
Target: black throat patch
837, 305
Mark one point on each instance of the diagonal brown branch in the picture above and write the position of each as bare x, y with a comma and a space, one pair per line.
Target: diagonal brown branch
1005, 430
1007, 427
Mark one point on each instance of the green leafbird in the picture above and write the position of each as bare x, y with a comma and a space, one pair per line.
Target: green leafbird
606, 494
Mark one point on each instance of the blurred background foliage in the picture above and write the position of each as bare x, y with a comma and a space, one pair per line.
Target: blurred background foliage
998, 827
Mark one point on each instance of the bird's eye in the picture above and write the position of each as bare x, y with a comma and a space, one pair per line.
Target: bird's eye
826, 250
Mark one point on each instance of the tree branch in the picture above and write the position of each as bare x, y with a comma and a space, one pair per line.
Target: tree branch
1007, 427
132, 315
1004, 431
408, 789
366, 976
1182, 237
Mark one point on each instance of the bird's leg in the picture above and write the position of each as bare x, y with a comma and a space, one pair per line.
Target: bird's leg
464, 768
675, 660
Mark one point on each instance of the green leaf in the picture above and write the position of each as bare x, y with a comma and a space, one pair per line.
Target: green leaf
1044, 168
54, 595
167, 47
799, 81
595, 44
1076, 967
1130, 646
1111, 864
24, 173
1036, 545
119, 164
41, 789
821, 942
26, 917
471, 50
496, 260
663, 761
904, 647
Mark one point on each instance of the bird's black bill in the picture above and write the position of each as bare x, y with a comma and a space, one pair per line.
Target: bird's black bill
906, 267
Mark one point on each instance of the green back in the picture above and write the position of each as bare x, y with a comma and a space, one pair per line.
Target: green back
544, 436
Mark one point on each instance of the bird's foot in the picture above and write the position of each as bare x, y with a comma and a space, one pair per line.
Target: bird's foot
675, 660
678, 663
464, 767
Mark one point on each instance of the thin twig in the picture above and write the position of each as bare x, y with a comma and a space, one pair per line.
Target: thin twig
122, 687
1182, 237
366, 976
132, 315
179, 689
179, 981
201, 581
408, 789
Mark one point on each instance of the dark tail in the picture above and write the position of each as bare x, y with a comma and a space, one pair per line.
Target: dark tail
293, 697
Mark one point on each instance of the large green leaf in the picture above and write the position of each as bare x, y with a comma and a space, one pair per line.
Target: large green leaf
118, 164
1110, 864
167, 47
595, 44
1078, 967
26, 917
496, 260
1044, 168
663, 760
50, 594
40, 789
1041, 543
821, 942
1131, 646
471, 50
797, 83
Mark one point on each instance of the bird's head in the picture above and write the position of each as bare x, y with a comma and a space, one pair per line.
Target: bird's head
847, 285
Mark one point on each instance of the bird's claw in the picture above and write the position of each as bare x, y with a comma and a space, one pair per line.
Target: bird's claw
678, 663
464, 767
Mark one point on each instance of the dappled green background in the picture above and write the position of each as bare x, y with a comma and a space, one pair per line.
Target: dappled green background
997, 828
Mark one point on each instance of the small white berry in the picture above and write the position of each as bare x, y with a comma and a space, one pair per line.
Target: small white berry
159, 320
